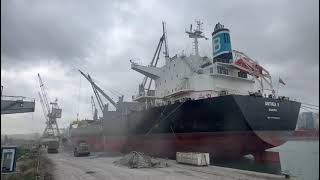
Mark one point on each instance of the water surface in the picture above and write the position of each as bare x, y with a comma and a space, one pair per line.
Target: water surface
300, 159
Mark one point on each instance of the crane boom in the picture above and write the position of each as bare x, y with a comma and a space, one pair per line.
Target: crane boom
99, 89
43, 107
44, 94
94, 109
97, 96
166, 49
156, 55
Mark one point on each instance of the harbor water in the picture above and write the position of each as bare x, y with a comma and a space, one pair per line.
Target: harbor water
299, 159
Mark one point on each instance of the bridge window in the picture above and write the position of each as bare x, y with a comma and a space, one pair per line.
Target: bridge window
223, 93
222, 70
211, 70
242, 74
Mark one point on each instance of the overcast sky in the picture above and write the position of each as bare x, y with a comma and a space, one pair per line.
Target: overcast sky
55, 38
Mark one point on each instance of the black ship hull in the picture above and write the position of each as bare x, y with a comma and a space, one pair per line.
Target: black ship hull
225, 126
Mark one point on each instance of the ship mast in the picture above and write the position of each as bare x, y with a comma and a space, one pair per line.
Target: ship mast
196, 34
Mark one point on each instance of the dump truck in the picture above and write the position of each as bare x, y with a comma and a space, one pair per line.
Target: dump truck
81, 149
53, 146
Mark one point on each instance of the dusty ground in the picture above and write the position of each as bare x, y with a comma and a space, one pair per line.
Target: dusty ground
100, 166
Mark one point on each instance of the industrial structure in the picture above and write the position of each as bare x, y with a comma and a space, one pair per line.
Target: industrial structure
52, 112
16, 104
197, 104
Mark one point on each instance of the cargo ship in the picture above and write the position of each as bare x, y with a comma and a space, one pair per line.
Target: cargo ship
224, 105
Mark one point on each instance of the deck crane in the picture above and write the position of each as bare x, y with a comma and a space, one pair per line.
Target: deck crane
155, 58
94, 109
51, 114
97, 89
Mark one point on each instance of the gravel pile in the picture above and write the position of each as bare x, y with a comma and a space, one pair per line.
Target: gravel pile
139, 160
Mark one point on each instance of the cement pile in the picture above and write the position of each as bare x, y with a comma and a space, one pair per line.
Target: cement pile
139, 160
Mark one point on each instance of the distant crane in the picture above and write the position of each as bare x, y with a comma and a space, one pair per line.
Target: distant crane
51, 114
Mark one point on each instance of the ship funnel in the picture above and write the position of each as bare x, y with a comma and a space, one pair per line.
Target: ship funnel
221, 44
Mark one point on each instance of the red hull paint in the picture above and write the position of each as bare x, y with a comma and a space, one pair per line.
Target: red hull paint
103, 143
306, 134
218, 144
267, 156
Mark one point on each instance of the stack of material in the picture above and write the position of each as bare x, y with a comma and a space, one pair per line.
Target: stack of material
193, 158
139, 160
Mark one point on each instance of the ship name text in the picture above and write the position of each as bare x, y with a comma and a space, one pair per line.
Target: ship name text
273, 104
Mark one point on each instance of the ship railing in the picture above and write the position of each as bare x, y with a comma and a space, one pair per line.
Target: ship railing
134, 97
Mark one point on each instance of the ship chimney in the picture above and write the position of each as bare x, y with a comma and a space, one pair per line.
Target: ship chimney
221, 44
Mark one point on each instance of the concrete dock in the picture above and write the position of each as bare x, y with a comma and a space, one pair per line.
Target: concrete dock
100, 166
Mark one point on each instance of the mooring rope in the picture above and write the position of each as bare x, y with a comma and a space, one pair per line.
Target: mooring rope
165, 117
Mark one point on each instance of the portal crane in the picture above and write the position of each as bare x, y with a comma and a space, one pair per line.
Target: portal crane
51, 114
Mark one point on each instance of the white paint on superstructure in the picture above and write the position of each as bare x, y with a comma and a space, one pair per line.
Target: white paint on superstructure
193, 77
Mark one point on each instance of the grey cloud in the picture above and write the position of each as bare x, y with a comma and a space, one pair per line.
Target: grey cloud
64, 30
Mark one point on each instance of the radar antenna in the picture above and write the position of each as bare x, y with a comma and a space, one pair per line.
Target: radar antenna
196, 34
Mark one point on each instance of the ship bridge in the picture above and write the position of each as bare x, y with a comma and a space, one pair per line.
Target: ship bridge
197, 77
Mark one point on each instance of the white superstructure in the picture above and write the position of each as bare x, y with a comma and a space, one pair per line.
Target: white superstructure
193, 77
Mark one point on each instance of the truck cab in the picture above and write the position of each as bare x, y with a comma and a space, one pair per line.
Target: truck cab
53, 146
81, 149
